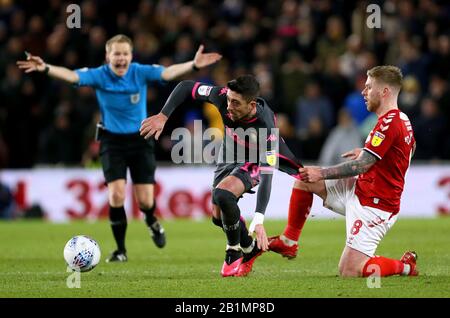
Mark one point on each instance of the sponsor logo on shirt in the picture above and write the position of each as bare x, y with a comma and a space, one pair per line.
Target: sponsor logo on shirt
377, 139
271, 157
223, 91
134, 98
204, 90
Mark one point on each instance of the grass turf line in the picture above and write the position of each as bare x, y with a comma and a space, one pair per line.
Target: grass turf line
32, 264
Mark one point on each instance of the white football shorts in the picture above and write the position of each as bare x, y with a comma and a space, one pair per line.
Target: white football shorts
365, 226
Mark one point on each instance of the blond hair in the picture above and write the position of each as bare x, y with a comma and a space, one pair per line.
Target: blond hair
119, 38
387, 74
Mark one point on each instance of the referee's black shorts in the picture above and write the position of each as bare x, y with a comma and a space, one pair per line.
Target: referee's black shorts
121, 151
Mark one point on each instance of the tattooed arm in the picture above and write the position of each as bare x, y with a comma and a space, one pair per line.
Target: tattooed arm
347, 169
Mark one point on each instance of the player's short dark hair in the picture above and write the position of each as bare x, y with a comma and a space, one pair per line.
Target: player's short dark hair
246, 85
387, 74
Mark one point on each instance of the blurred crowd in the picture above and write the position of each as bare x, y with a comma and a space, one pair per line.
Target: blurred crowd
310, 57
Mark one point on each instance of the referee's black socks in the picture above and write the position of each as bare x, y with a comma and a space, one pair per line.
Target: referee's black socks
118, 219
150, 218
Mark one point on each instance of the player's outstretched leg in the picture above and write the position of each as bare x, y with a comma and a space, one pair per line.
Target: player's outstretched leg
118, 221
299, 208
156, 230
383, 266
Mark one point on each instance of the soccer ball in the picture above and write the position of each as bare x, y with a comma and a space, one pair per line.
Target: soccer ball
82, 253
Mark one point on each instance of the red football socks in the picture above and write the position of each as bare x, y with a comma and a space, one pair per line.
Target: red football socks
299, 208
382, 266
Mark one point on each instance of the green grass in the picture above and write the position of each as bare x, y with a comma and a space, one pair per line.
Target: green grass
32, 265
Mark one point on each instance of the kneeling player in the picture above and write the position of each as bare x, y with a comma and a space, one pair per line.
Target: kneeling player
371, 201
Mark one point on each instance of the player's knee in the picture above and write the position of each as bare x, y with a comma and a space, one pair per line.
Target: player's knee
116, 198
215, 211
217, 222
349, 270
223, 197
349, 273
146, 205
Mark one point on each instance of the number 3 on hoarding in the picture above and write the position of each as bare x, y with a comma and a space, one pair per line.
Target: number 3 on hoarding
82, 188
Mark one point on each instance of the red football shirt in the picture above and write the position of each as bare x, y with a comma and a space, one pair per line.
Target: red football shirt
391, 141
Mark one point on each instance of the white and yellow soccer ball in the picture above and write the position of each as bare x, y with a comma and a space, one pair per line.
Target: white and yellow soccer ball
82, 253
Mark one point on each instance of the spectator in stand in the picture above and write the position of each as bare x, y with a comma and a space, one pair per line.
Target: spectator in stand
354, 102
430, 129
314, 118
409, 99
342, 138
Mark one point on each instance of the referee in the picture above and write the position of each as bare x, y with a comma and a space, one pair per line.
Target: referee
121, 89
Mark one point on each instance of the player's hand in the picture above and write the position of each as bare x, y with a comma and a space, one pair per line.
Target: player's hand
310, 174
153, 125
204, 59
256, 226
352, 154
261, 237
33, 63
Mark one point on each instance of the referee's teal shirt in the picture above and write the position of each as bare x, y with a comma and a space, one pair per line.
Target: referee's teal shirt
123, 99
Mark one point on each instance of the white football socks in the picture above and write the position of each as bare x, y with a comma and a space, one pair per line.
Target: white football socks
234, 247
406, 269
247, 250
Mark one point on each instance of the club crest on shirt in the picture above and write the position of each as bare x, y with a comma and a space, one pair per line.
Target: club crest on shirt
377, 139
271, 157
204, 90
134, 98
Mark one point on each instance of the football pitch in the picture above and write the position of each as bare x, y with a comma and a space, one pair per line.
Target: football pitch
32, 264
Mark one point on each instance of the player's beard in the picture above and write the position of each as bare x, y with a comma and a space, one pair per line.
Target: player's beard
248, 115
231, 116
373, 104
239, 116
